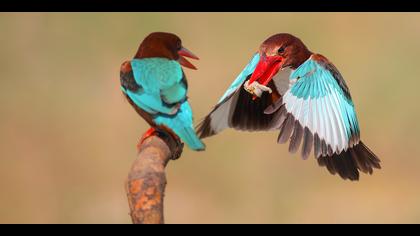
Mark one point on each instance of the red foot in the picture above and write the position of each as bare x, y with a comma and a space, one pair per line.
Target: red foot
146, 135
173, 141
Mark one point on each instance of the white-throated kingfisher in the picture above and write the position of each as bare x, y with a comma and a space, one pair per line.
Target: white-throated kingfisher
155, 85
302, 94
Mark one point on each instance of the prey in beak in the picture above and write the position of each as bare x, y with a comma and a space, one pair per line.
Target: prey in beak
266, 68
183, 52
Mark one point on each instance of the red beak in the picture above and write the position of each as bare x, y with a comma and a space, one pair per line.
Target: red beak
183, 52
266, 68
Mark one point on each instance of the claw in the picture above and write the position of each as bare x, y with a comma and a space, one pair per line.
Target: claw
168, 136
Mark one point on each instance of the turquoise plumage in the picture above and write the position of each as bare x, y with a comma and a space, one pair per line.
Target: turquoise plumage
314, 82
249, 68
182, 125
161, 85
288, 88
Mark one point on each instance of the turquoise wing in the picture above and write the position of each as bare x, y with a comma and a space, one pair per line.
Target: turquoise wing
156, 76
318, 109
148, 102
249, 69
321, 110
237, 109
182, 124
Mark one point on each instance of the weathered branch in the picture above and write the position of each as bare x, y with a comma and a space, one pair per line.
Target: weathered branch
145, 185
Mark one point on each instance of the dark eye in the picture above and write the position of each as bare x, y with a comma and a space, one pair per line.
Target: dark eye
281, 50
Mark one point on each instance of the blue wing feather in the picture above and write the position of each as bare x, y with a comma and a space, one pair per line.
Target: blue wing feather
317, 82
148, 102
182, 124
156, 75
249, 69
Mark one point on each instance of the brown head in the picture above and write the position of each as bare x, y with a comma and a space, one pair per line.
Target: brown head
166, 45
277, 52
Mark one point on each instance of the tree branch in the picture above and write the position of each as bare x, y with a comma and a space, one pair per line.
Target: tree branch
145, 185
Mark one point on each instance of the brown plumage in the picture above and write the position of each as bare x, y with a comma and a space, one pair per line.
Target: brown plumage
159, 44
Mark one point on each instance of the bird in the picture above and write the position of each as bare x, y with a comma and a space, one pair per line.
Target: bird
155, 85
287, 88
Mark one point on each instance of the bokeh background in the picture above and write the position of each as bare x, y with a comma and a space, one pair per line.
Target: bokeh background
68, 137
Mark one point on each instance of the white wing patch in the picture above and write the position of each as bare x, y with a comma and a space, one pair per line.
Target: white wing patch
221, 116
321, 116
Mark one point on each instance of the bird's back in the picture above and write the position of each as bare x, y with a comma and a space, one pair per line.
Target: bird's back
160, 86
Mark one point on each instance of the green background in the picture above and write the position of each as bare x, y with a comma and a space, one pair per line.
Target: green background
68, 136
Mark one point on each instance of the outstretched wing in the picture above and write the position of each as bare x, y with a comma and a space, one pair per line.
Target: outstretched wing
236, 108
321, 108
317, 111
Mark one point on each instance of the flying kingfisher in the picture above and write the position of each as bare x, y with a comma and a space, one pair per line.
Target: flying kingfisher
155, 85
302, 94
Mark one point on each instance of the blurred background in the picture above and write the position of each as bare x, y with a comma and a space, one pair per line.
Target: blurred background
68, 137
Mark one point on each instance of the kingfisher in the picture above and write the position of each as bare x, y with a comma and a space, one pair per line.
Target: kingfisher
301, 94
155, 85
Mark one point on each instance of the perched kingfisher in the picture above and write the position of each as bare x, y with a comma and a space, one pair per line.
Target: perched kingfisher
155, 85
286, 87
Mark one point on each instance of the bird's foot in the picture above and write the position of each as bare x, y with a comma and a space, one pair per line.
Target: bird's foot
150, 132
256, 88
173, 141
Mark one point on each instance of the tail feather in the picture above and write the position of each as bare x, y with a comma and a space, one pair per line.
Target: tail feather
182, 125
348, 163
188, 135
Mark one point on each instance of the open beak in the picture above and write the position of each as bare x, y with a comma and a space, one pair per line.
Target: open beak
266, 68
183, 52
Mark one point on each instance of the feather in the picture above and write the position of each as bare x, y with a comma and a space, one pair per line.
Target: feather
317, 146
296, 137
348, 163
308, 141
324, 149
286, 129
279, 118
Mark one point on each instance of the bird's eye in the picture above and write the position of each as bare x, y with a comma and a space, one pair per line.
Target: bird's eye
281, 50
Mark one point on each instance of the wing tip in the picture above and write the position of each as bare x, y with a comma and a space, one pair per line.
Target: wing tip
348, 163
201, 149
204, 128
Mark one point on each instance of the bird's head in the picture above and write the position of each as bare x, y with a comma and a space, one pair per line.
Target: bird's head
166, 45
278, 52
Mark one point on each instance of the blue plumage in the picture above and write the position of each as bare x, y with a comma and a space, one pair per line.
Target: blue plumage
302, 94
162, 88
315, 82
242, 76
182, 125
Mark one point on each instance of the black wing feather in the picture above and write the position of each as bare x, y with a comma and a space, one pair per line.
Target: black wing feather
244, 113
